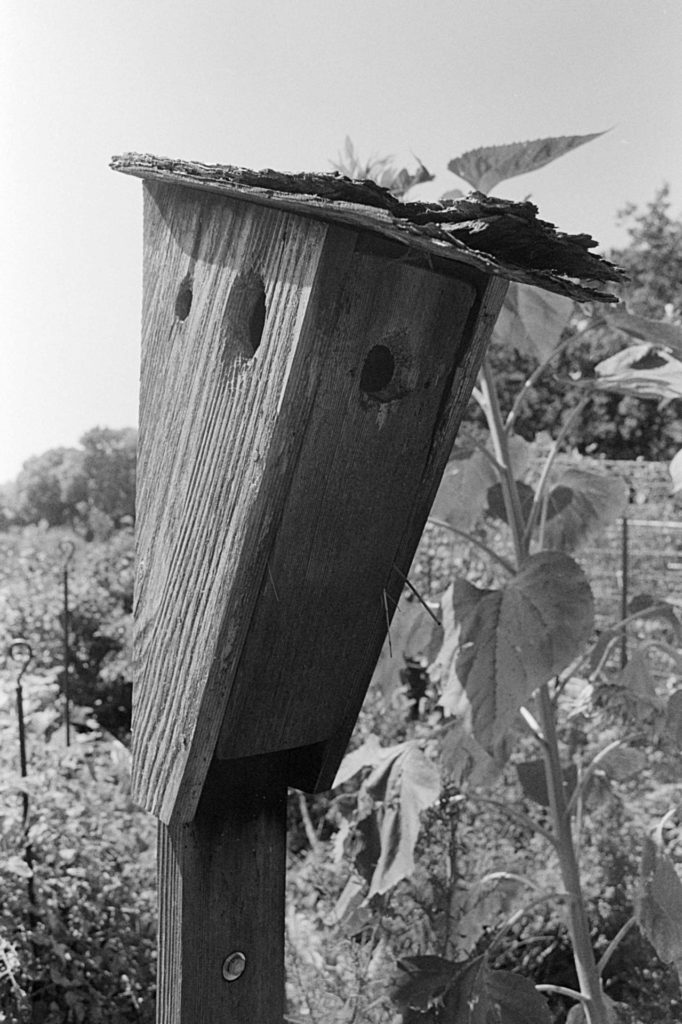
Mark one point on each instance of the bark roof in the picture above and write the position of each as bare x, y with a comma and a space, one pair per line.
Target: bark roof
495, 235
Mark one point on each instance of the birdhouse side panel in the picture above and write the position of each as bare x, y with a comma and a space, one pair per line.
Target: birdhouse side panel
384, 368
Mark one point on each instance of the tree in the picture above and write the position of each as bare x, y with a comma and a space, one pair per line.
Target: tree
109, 465
76, 487
51, 487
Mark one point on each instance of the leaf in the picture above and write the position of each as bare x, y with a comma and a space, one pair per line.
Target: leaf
580, 504
534, 781
486, 167
519, 637
656, 332
659, 904
636, 677
478, 995
463, 493
368, 755
642, 371
464, 762
461, 496
532, 320
676, 472
423, 981
414, 635
459, 600
496, 507
405, 784
17, 866
623, 763
673, 719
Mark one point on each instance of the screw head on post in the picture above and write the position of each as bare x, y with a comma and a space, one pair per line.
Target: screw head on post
233, 966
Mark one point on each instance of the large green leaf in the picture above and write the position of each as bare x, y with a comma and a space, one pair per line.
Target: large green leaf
463, 493
641, 370
659, 904
656, 332
467, 993
512, 640
403, 784
531, 320
580, 504
486, 167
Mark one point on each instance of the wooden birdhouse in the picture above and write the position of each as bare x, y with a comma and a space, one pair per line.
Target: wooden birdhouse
309, 346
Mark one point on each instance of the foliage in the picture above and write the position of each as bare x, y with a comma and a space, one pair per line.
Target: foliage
100, 605
77, 927
91, 488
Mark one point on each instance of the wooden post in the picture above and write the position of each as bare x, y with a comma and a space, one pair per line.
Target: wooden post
221, 900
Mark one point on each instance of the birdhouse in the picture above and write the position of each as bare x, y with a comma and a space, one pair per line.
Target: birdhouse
309, 346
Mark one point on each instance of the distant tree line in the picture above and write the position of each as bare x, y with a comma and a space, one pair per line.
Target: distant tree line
90, 489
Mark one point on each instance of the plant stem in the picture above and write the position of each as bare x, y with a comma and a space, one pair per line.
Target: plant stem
510, 491
579, 928
540, 369
615, 943
519, 816
549, 462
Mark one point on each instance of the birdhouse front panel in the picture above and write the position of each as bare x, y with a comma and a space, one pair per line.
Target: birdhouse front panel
383, 366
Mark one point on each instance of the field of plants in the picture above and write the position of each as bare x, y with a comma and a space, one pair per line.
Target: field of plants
503, 841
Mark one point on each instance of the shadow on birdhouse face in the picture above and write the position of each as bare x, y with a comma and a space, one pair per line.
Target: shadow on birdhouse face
243, 321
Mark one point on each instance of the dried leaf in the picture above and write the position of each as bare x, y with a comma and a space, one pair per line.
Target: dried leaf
486, 167
659, 904
368, 755
531, 320
581, 504
405, 785
642, 371
519, 637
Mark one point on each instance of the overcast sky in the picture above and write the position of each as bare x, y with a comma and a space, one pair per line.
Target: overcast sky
281, 84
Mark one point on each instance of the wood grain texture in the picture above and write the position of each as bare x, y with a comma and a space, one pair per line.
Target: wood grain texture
221, 890
283, 481
336, 567
219, 430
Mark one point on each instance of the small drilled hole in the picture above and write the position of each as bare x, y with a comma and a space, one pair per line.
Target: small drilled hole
377, 371
183, 301
257, 318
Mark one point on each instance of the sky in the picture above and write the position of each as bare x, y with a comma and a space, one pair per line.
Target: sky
281, 84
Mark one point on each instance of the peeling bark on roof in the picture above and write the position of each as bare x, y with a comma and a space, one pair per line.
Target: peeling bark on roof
496, 235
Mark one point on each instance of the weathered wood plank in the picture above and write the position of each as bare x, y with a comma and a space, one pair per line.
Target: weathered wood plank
337, 565
212, 474
221, 892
